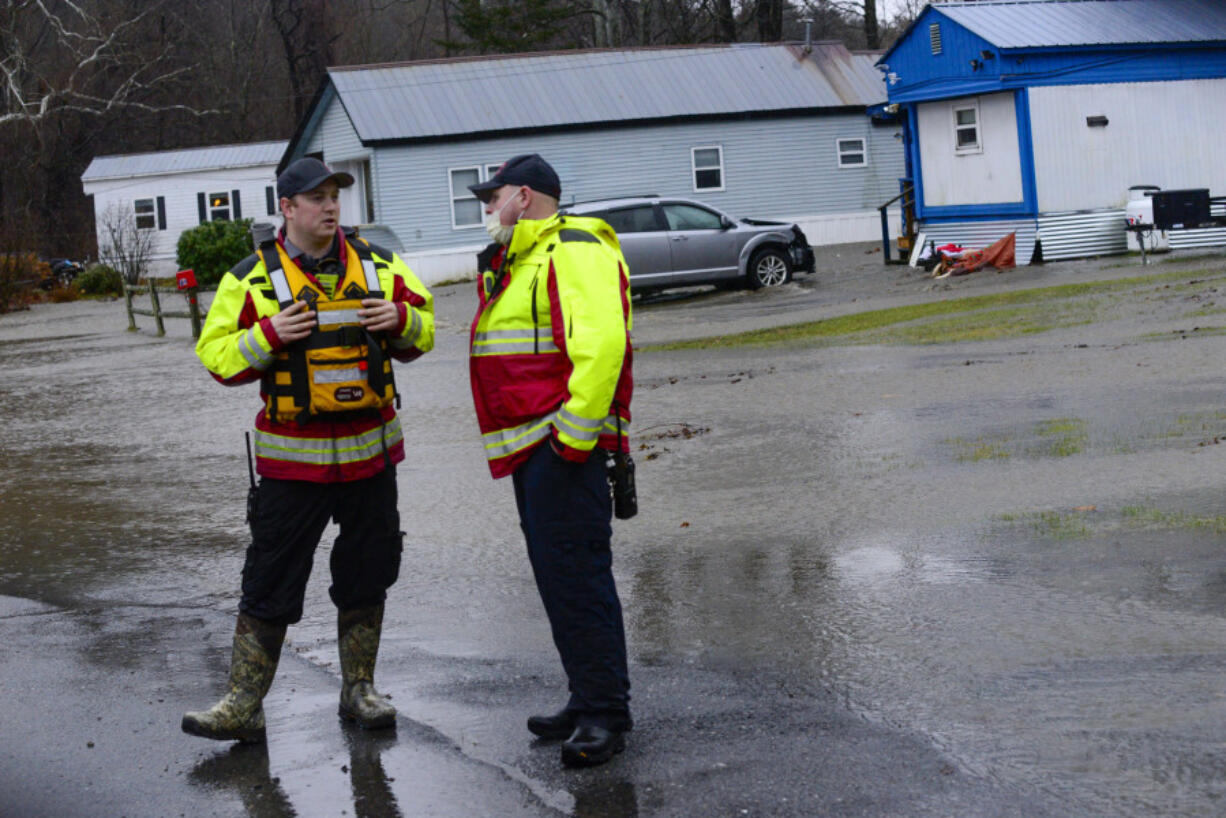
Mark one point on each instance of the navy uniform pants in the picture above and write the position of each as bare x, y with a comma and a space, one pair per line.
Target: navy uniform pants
564, 510
288, 520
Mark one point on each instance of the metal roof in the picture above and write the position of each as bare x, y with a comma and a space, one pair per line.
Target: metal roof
184, 161
437, 98
1051, 23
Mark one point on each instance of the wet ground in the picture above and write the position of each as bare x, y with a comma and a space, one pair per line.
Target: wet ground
976, 579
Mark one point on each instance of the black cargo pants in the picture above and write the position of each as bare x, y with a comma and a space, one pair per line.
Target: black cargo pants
287, 523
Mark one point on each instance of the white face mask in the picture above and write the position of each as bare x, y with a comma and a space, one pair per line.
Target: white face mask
499, 232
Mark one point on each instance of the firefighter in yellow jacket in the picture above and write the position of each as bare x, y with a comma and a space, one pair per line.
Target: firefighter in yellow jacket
551, 377
315, 316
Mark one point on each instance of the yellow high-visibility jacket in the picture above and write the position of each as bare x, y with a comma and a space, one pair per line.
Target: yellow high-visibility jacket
238, 345
550, 353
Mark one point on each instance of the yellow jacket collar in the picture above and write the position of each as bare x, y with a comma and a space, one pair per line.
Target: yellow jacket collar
528, 232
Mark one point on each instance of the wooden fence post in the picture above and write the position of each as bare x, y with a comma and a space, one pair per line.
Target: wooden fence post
193, 307
157, 306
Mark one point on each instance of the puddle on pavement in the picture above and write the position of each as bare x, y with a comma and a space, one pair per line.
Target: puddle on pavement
827, 526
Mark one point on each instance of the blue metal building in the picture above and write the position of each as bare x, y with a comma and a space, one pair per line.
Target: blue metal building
770, 131
1037, 116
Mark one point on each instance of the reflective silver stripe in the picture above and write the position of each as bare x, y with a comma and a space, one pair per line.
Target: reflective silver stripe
576, 420
514, 342
328, 451
508, 441
515, 348
256, 356
512, 334
346, 375
590, 429
579, 428
329, 318
410, 337
280, 284
372, 276
610, 426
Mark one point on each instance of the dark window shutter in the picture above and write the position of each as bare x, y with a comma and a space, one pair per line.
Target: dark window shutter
161, 212
236, 204
204, 211
270, 201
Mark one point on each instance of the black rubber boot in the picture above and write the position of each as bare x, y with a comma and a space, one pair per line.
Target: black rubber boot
239, 716
556, 727
590, 745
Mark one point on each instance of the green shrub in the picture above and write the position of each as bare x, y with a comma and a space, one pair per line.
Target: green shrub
214, 247
100, 280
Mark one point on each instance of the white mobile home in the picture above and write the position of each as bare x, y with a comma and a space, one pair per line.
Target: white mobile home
1037, 117
768, 131
167, 192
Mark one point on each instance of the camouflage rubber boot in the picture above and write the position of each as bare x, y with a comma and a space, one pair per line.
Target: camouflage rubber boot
239, 716
358, 643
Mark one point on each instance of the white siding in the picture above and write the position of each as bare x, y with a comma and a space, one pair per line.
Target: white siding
180, 191
1168, 134
990, 177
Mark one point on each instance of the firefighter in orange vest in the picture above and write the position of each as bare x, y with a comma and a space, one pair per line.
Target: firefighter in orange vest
551, 378
316, 316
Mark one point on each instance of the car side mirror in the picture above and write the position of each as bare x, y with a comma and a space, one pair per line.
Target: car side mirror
726, 223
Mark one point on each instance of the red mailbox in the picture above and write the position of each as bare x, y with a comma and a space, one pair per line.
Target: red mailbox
186, 279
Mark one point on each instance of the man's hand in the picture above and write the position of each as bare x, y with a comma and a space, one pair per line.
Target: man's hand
377, 314
294, 322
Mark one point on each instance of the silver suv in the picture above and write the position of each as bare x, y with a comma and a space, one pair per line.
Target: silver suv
674, 242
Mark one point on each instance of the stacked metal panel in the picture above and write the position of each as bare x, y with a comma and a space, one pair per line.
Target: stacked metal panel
1082, 233
978, 235
1212, 237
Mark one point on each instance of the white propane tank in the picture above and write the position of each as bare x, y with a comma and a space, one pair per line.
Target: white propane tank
1140, 210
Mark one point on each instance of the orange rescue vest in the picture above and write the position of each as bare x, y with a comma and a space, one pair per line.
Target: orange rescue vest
341, 368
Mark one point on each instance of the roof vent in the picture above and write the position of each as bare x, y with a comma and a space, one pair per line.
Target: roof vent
934, 35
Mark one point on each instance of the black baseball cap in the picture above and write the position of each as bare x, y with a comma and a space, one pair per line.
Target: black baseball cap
306, 174
527, 169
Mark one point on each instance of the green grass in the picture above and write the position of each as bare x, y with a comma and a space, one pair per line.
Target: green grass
1148, 517
1083, 523
979, 317
974, 451
1057, 525
1062, 437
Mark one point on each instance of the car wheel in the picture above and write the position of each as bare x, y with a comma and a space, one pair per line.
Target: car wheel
768, 268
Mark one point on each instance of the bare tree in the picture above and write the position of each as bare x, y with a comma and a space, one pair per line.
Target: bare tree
122, 245
307, 35
57, 56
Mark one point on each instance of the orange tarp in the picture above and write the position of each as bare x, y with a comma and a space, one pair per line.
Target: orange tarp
1000, 254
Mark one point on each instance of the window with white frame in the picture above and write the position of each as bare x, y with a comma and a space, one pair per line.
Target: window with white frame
966, 129
219, 207
146, 214
707, 162
853, 153
466, 209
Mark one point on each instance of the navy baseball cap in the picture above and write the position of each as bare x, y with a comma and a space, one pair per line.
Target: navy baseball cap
527, 169
307, 174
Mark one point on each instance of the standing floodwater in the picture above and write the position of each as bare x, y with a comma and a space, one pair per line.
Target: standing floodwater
874, 574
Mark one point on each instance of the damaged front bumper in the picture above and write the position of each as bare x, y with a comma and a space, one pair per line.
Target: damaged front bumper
803, 260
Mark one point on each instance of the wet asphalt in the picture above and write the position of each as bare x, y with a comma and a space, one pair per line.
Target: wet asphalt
975, 579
